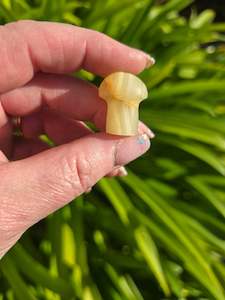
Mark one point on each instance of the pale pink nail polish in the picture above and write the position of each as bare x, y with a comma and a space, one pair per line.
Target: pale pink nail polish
122, 172
142, 128
150, 133
150, 61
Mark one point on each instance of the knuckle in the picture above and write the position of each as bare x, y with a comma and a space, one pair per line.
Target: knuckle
84, 172
15, 59
77, 172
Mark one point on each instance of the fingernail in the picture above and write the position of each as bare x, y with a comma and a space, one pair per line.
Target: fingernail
150, 133
122, 172
150, 61
131, 148
142, 128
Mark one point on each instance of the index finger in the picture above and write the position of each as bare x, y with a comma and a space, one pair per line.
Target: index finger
29, 46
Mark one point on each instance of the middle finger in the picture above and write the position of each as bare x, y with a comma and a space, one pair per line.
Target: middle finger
72, 97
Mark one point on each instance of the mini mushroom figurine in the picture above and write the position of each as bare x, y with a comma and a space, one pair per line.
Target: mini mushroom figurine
123, 93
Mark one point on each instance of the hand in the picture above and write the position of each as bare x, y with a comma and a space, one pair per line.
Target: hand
35, 56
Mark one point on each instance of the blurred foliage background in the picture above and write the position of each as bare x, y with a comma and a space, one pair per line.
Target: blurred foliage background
158, 233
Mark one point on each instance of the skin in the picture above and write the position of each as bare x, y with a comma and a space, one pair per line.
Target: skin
36, 58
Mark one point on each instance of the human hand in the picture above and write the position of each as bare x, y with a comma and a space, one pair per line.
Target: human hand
36, 180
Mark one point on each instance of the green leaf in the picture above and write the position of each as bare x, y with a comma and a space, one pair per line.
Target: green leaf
204, 154
183, 88
209, 194
165, 214
117, 196
110, 10
165, 220
150, 253
18, 285
39, 275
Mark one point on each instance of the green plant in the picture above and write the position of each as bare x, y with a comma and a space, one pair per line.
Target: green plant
158, 233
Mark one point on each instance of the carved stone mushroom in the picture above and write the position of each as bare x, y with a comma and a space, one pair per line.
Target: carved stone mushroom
123, 93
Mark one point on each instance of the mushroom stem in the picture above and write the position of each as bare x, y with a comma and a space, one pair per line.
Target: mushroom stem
121, 119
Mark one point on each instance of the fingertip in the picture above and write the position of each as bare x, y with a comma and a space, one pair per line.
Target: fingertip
137, 61
141, 60
131, 148
142, 128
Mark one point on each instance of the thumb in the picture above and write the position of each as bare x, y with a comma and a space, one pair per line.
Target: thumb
41, 184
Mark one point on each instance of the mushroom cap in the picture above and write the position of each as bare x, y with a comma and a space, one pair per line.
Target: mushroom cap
124, 87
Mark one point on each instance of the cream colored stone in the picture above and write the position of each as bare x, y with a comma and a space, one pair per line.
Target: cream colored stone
123, 93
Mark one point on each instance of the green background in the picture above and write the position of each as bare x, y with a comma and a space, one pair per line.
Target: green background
158, 233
